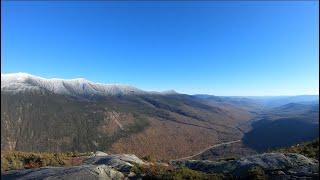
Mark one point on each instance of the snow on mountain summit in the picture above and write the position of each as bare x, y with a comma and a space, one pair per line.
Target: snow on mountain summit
22, 82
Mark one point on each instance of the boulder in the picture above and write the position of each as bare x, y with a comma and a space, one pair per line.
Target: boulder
120, 162
100, 153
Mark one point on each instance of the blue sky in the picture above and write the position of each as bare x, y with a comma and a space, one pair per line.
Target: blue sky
220, 48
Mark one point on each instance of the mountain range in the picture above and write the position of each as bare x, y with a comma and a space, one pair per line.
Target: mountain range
57, 115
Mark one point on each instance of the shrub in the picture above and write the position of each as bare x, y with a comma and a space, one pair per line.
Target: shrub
308, 149
256, 172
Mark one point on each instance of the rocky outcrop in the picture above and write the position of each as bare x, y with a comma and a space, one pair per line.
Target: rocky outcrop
98, 166
84, 172
274, 165
119, 166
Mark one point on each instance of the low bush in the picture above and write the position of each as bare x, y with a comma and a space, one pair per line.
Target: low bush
163, 172
308, 149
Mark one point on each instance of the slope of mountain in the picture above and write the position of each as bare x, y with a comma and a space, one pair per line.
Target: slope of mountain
284, 126
226, 152
293, 109
57, 115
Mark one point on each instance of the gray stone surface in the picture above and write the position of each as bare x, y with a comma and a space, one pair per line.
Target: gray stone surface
276, 164
100, 153
84, 172
99, 166
121, 162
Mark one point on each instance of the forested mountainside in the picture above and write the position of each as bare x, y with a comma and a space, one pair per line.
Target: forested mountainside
141, 124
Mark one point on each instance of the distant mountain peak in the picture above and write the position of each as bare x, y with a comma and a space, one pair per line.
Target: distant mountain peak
17, 82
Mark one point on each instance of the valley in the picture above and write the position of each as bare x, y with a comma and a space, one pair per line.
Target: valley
54, 115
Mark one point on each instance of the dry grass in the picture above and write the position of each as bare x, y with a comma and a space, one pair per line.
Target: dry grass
11, 160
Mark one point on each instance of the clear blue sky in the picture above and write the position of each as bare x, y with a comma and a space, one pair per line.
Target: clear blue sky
220, 48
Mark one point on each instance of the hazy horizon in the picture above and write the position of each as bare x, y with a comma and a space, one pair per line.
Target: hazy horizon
218, 48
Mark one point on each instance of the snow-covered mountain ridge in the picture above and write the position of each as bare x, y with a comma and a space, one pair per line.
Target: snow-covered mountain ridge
17, 82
